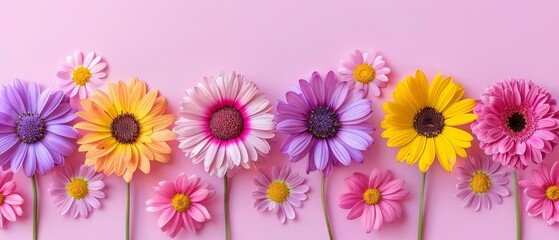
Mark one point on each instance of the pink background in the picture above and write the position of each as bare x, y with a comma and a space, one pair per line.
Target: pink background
171, 45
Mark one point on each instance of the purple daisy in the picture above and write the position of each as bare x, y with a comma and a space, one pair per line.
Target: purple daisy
326, 125
35, 130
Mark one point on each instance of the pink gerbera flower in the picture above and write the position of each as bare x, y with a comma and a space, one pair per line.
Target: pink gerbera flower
364, 71
10, 201
80, 76
180, 204
481, 182
77, 191
279, 192
374, 199
543, 193
224, 123
517, 123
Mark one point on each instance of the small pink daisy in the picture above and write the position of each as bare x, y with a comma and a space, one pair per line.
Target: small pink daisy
279, 192
180, 204
543, 193
10, 201
374, 199
80, 76
364, 71
481, 182
77, 190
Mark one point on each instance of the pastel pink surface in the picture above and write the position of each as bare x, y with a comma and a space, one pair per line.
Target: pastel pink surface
172, 45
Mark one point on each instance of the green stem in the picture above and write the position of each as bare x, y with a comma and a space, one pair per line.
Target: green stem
226, 207
127, 211
517, 206
421, 207
326, 218
35, 213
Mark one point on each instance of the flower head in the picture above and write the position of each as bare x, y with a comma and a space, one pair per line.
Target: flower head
518, 123
326, 124
225, 123
77, 191
79, 76
279, 191
126, 129
364, 71
542, 192
35, 128
10, 200
481, 182
181, 204
422, 120
374, 199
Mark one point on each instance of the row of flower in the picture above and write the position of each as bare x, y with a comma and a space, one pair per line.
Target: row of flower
224, 123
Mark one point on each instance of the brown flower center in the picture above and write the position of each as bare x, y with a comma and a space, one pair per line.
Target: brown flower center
428, 122
125, 128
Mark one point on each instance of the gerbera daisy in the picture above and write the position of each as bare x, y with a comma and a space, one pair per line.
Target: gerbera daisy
543, 193
35, 128
422, 120
374, 199
10, 200
326, 125
518, 123
279, 192
77, 191
224, 122
481, 182
364, 71
126, 129
80, 76
181, 204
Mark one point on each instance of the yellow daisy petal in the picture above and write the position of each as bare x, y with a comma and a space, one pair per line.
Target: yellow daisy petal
445, 153
401, 137
459, 108
460, 120
428, 155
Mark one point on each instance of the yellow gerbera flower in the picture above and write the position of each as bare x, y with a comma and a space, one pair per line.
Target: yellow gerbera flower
422, 121
127, 128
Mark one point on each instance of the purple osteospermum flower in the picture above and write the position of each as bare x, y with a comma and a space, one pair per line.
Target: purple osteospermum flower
35, 130
326, 124
481, 183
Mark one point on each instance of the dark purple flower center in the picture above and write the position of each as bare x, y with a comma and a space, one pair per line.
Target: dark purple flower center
227, 123
323, 122
516, 122
125, 128
30, 127
428, 122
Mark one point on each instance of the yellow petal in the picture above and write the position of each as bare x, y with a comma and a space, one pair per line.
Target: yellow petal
138, 91
461, 107
419, 89
127, 176
417, 149
445, 153
428, 155
400, 137
114, 99
158, 108
158, 122
159, 147
146, 104
458, 134
404, 151
460, 119
94, 137
446, 95
92, 127
163, 135
123, 96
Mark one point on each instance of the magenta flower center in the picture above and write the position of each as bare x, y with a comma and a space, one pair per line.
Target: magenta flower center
30, 127
323, 123
227, 123
516, 122
428, 122
125, 128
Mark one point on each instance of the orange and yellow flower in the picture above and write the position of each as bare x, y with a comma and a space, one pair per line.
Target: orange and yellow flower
126, 129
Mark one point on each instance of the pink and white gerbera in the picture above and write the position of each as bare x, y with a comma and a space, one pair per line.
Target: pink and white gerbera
374, 199
224, 123
180, 204
279, 192
10, 200
542, 192
77, 190
365, 71
79, 76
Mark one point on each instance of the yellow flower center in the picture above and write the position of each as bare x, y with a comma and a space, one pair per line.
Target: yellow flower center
81, 75
278, 191
181, 202
1, 199
480, 183
372, 196
77, 188
364, 73
552, 192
